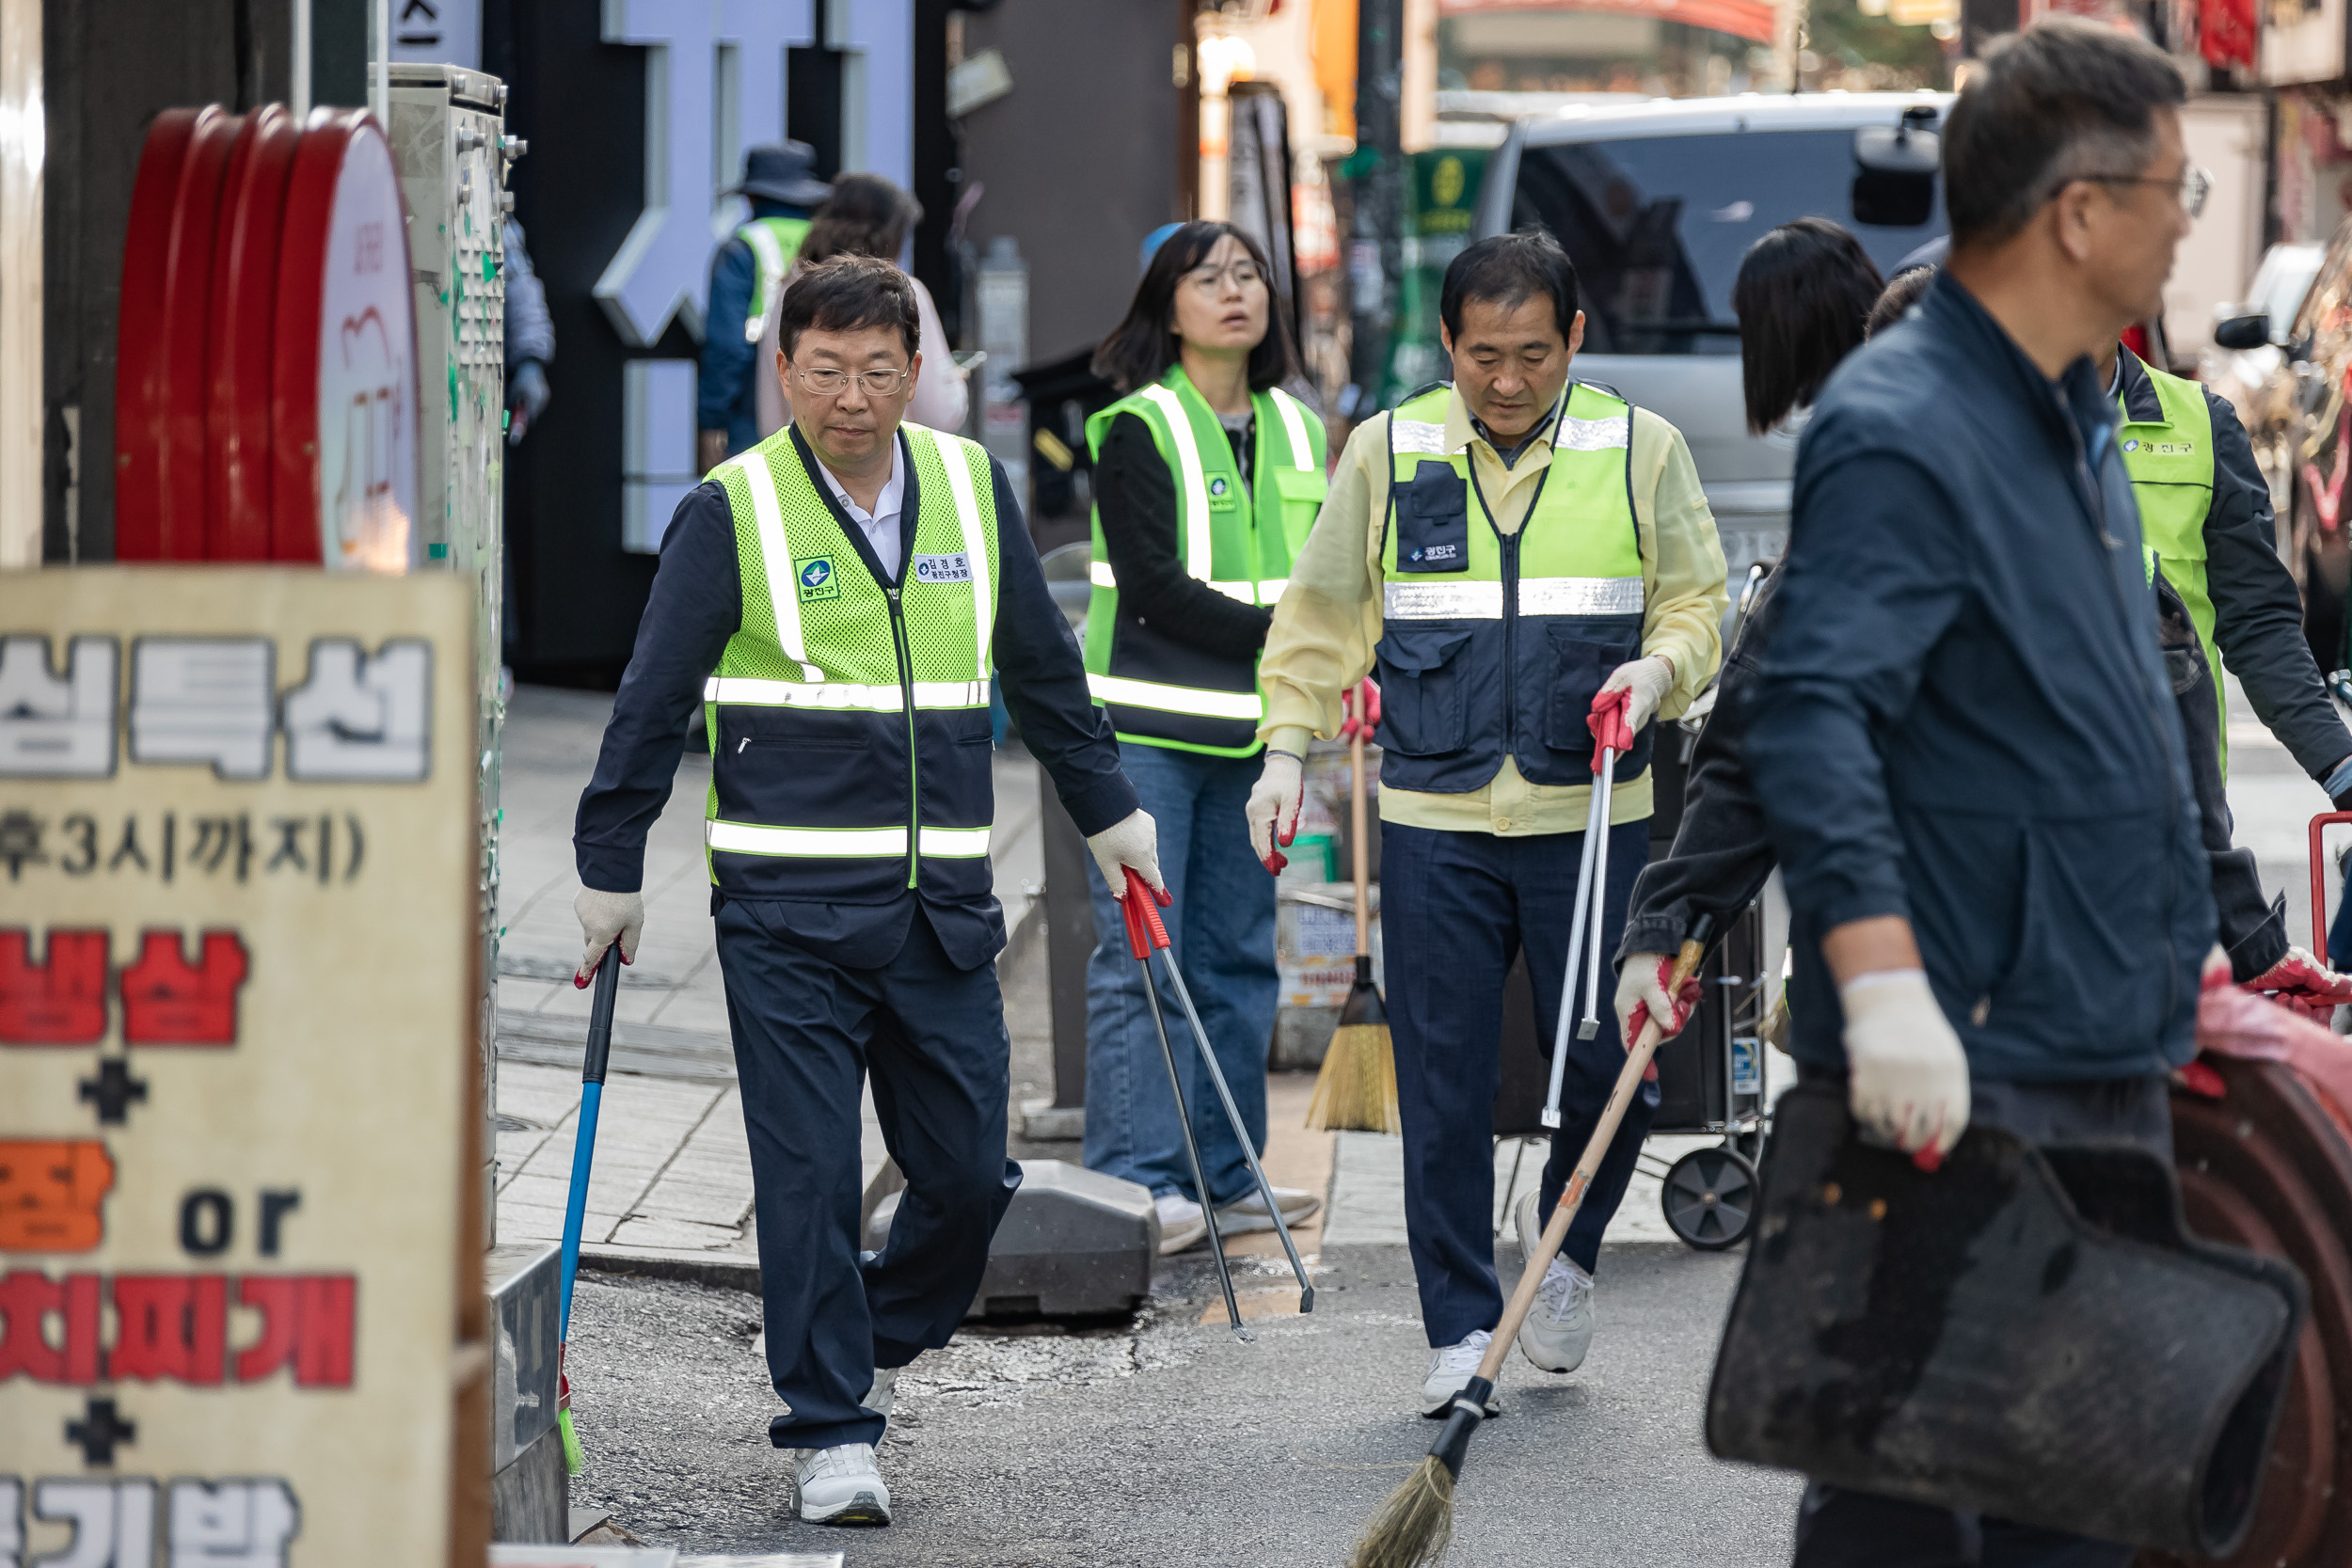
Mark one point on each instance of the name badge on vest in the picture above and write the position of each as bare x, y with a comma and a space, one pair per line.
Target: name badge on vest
1432, 521
942, 568
1220, 493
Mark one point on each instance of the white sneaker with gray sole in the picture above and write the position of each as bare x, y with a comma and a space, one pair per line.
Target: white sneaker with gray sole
840, 1485
1182, 1224
1450, 1367
1559, 1327
1238, 1219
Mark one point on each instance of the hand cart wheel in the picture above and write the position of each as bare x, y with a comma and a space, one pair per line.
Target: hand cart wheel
1710, 1198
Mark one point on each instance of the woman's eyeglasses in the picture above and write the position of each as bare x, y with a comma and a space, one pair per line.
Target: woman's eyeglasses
1212, 281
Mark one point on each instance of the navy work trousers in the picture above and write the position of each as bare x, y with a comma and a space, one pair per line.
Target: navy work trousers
1456, 909
807, 1031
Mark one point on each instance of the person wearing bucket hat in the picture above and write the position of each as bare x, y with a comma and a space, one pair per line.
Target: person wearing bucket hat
746, 275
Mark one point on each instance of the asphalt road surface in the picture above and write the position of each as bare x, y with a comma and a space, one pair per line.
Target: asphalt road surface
1160, 1440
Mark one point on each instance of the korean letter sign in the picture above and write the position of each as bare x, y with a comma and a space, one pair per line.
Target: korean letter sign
237, 865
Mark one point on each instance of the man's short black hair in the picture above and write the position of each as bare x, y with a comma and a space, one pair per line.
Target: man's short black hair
2062, 100
845, 293
1509, 270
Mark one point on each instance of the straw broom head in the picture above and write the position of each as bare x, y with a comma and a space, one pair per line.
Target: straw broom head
1355, 1089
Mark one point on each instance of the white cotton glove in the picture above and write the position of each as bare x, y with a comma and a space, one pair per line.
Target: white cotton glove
1907, 1077
1134, 840
1641, 996
1648, 680
1272, 808
605, 918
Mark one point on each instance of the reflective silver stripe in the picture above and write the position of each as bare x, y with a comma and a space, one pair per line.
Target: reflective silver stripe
774, 552
1294, 428
953, 843
953, 456
769, 251
1591, 435
1176, 698
1417, 435
747, 838
842, 696
1266, 593
1580, 596
1200, 544
1442, 601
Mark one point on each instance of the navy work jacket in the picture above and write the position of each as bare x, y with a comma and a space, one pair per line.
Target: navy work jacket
1965, 718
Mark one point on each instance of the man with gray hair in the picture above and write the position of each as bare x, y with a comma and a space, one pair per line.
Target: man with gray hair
1963, 739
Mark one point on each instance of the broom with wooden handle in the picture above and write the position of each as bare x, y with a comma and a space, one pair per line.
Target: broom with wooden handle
1355, 1089
1414, 1524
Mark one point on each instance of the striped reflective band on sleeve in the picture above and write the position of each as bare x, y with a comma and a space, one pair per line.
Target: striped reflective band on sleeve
1421, 435
1591, 435
842, 696
952, 455
1294, 428
770, 253
1266, 592
775, 553
1176, 698
1200, 544
1442, 601
1580, 596
744, 838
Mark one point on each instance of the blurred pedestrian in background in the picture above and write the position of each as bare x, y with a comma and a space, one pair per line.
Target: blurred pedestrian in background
867, 216
1804, 292
1207, 478
746, 272
1965, 737
530, 338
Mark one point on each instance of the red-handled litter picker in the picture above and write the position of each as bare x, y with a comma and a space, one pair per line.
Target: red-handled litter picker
1144, 934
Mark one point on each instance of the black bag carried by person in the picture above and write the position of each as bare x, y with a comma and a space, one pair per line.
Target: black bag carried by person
2031, 1332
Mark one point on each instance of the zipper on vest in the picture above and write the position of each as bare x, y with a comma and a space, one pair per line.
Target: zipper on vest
915, 781
1510, 629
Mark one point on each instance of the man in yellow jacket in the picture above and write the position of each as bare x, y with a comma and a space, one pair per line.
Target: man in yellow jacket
1502, 550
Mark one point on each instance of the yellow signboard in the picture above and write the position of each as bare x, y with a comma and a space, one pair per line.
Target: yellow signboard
237, 1016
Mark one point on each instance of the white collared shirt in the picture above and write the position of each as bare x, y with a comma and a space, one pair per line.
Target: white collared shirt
882, 524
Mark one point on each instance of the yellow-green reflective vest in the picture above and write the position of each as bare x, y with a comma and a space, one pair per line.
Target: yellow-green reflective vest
774, 242
1237, 539
2171, 462
1494, 643
848, 717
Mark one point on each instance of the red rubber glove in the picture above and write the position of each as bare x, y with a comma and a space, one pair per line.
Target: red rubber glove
1363, 698
1607, 723
2301, 982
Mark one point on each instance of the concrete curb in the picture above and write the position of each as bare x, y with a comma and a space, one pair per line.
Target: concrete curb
732, 1273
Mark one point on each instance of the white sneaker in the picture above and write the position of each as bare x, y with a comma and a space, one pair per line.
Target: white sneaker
880, 1397
1181, 1223
840, 1485
1451, 1369
1559, 1327
1250, 1213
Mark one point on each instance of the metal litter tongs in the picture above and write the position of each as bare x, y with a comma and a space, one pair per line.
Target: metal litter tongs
1612, 737
1145, 933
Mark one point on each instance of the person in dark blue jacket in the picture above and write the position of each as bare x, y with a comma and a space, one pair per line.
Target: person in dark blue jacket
746, 272
1964, 738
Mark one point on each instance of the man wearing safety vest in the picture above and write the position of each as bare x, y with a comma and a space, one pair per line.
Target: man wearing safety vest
1207, 478
838, 598
1509, 550
2204, 511
746, 272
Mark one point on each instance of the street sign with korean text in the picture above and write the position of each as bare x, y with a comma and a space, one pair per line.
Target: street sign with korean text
237, 1009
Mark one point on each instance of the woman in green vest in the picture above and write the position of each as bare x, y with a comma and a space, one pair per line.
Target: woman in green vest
1207, 476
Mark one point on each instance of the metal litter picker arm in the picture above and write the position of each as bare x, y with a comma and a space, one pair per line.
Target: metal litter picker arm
1140, 910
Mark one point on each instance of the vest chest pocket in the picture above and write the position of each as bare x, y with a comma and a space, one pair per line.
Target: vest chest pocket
1302, 492
1582, 659
1423, 711
1432, 521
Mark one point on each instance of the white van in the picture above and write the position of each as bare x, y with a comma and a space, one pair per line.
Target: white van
1657, 203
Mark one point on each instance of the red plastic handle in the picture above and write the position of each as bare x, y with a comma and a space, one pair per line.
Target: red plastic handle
1607, 721
1142, 911
2320, 824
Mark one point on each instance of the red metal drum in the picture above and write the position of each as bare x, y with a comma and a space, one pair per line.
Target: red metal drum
343, 386
239, 358
160, 331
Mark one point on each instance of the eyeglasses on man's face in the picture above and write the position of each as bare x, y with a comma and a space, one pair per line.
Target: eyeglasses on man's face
832, 383
1243, 276
2190, 188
